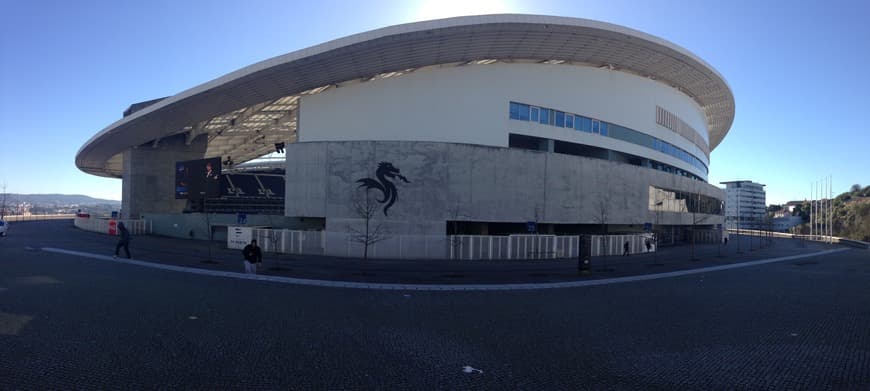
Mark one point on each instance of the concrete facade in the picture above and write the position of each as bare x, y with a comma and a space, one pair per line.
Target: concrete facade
470, 105
474, 183
148, 181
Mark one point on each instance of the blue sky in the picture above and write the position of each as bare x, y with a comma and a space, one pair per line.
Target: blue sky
798, 71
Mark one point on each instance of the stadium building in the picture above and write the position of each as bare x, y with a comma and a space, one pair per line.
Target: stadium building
480, 125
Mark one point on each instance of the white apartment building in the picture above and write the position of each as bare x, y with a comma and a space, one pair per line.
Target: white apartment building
745, 206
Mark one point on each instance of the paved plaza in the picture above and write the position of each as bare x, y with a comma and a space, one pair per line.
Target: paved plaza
82, 322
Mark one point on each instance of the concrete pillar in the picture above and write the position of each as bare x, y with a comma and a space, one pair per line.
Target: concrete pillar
148, 180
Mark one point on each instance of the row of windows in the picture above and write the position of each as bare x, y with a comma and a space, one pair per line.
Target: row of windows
568, 148
561, 119
542, 115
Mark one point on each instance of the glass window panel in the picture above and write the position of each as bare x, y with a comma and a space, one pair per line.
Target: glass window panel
569, 121
545, 116
595, 126
604, 128
515, 111
586, 124
524, 112
533, 116
552, 117
560, 119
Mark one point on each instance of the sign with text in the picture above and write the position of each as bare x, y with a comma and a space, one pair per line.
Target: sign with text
239, 237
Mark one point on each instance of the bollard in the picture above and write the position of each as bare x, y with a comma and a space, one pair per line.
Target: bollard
584, 255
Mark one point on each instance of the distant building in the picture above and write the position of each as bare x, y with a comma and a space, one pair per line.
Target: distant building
783, 224
791, 205
745, 206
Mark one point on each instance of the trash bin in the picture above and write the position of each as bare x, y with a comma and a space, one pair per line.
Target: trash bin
584, 255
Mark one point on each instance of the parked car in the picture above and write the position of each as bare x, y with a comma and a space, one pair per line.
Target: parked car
3, 227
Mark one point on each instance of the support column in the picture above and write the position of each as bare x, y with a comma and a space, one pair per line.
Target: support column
148, 180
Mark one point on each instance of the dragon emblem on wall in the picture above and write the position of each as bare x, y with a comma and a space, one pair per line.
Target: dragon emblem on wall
384, 174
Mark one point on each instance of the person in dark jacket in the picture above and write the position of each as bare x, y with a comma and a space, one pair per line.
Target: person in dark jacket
253, 256
123, 240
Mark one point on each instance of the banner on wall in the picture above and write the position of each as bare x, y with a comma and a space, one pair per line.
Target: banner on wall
239, 237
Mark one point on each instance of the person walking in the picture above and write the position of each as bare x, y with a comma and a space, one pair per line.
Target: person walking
648, 244
625, 249
123, 240
253, 256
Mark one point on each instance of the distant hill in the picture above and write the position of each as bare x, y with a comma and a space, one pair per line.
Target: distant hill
851, 212
59, 199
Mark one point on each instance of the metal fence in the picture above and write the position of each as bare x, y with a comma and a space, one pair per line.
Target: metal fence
135, 227
290, 242
480, 247
342, 244
37, 217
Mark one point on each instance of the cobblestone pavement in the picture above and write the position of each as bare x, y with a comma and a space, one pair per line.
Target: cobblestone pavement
71, 322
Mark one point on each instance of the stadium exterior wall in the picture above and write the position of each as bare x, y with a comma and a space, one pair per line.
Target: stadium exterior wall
449, 181
469, 104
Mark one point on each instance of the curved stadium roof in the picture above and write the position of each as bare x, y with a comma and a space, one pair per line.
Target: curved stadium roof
245, 112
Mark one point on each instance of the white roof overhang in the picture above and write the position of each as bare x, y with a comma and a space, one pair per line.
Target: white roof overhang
245, 112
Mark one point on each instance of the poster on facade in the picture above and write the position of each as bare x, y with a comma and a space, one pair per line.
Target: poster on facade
239, 237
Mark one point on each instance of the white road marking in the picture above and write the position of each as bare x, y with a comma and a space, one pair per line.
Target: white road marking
469, 369
438, 287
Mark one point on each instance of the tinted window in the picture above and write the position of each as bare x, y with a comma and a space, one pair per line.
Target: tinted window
545, 116
534, 114
523, 112
560, 119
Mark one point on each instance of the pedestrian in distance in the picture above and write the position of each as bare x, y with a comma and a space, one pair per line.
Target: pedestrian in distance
123, 240
625, 249
253, 256
648, 244
726, 240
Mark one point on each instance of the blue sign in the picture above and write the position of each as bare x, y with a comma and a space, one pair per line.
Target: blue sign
114, 214
532, 226
647, 227
241, 218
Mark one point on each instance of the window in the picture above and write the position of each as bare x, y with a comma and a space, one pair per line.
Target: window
586, 124
595, 126
534, 114
545, 116
524, 112
569, 121
515, 111
604, 128
560, 119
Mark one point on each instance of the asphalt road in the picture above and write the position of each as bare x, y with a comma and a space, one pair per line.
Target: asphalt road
73, 322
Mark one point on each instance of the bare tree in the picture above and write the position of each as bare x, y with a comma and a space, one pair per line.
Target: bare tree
365, 209
601, 218
696, 219
455, 213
